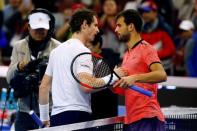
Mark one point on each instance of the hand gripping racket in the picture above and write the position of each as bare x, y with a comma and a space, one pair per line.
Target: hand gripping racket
92, 71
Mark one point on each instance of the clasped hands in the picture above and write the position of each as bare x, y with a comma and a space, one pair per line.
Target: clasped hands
125, 80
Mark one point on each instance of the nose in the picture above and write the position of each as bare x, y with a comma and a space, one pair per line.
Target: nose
116, 29
97, 30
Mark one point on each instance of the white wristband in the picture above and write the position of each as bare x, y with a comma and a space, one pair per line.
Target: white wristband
44, 112
114, 78
107, 78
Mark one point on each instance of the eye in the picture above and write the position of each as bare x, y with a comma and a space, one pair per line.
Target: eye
118, 25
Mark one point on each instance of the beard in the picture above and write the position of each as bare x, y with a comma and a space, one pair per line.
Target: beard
125, 38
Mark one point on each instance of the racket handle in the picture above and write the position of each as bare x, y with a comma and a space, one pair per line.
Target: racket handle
36, 119
141, 90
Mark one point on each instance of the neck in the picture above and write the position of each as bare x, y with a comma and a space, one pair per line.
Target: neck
79, 36
135, 37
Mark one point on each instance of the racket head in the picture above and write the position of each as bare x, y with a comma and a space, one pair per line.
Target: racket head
86, 65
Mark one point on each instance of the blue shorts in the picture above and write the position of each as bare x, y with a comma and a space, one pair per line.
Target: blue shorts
69, 117
146, 124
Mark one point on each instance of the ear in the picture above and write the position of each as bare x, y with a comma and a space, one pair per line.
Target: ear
130, 27
84, 25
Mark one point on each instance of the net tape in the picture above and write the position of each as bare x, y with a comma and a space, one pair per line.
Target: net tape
177, 119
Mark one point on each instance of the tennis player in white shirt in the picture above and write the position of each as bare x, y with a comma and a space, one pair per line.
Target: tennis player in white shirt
71, 102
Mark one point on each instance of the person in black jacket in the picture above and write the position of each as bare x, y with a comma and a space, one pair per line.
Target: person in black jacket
24, 72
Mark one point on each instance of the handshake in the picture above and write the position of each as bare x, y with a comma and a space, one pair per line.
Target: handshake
117, 74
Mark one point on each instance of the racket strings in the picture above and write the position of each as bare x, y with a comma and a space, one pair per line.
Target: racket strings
98, 68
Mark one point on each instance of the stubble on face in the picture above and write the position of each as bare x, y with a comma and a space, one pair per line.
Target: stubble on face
124, 37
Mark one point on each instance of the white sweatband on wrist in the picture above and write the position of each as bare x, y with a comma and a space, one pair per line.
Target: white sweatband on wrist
44, 112
107, 78
114, 78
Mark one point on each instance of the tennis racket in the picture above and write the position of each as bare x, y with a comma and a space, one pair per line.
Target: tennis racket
92, 71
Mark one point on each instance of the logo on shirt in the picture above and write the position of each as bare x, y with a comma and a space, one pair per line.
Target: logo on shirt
87, 66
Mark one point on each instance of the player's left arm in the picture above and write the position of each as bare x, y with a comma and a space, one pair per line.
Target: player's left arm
156, 74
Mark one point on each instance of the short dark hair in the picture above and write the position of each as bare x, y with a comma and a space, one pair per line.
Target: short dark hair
132, 16
79, 17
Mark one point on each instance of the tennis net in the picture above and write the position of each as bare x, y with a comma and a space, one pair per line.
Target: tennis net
177, 119
180, 119
108, 124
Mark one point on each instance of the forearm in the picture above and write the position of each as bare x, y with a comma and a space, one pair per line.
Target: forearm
43, 95
44, 90
90, 84
44, 98
151, 77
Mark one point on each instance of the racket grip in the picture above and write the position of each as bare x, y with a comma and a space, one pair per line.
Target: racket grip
36, 119
141, 90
